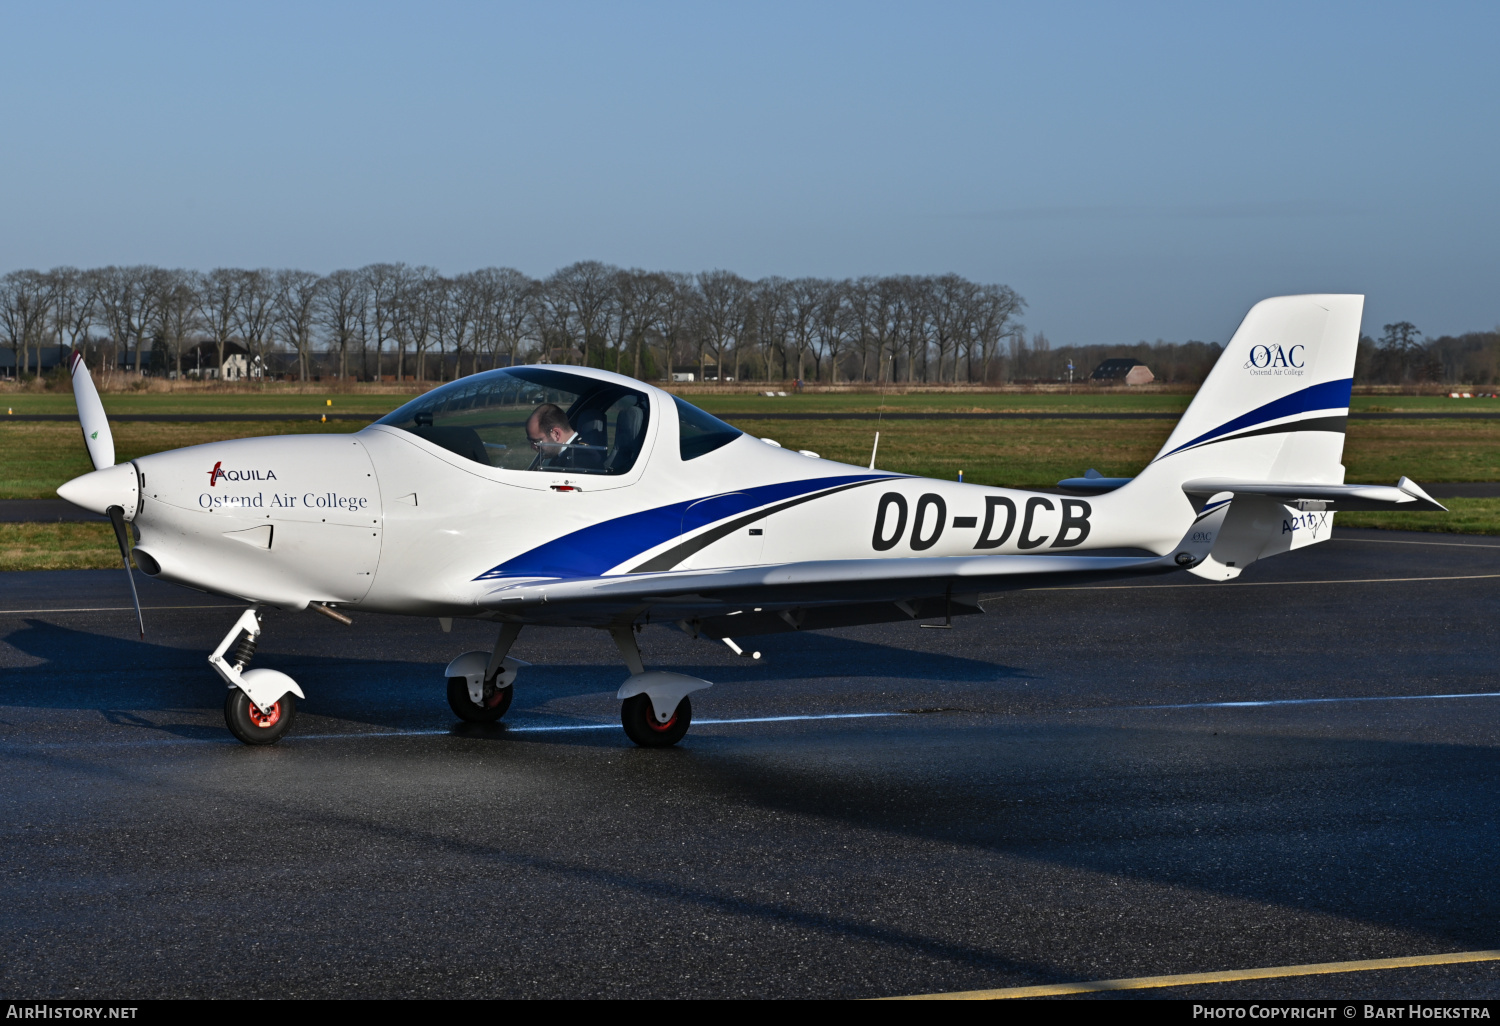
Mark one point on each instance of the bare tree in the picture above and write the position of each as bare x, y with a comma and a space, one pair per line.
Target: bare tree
340, 309
75, 309
296, 313
948, 310
128, 297
803, 297
768, 314
256, 312
26, 299
460, 317
875, 308
723, 302
582, 297
413, 315
832, 323
382, 282
674, 316
218, 310
642, 295
993, 320
177, 316
917, 326
514, 311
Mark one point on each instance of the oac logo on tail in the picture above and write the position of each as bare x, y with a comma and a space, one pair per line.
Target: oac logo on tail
1276, 360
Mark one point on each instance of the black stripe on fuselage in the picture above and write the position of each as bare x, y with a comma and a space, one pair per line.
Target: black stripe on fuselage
677, 553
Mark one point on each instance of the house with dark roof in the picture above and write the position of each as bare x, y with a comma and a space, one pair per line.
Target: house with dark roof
1127, 370
202, 361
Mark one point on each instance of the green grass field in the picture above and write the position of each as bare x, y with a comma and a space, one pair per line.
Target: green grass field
88, 546
37, 457
1084, 401
1081, 402
121, 405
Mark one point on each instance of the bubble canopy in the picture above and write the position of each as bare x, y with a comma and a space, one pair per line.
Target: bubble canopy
484, 418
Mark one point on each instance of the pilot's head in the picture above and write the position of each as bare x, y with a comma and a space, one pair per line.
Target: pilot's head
548, 423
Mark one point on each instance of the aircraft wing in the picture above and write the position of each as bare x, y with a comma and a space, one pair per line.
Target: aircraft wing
819, 593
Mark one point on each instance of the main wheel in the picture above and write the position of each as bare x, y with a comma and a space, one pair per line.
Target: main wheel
496, 701
254, 727
641, 725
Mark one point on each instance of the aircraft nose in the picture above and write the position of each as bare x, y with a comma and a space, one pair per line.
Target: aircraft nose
100, 489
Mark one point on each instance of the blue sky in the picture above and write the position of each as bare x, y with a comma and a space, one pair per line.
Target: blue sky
1134, 171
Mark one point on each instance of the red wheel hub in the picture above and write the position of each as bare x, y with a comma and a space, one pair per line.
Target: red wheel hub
265, 719
655, 724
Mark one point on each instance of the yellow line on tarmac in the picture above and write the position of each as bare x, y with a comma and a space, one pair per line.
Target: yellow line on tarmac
1186, 979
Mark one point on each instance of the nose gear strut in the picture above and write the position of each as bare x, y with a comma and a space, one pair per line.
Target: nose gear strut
260, 706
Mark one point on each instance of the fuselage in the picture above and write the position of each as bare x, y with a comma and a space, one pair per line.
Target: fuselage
388, 520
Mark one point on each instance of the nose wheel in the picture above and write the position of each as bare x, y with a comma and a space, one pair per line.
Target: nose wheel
644, 728
262, 703
257, 726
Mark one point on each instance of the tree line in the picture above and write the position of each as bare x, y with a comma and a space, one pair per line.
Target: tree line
1402, 355
410, 321
393, 319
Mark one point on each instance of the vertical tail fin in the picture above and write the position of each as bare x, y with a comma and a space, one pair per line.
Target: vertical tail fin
1275, 405
1273, 409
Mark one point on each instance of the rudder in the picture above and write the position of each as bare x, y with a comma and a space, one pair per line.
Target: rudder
1275, 405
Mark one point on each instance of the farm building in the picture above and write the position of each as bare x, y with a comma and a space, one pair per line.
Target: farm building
1128, 370
201, 361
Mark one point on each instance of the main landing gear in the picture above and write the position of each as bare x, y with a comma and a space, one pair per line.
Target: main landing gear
642, 726
479, 683
654, 707
262, 704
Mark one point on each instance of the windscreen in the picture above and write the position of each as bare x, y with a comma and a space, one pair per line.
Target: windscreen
532, 418
701, 432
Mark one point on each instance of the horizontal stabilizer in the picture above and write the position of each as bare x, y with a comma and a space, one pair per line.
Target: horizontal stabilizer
1097, 485
1405, 494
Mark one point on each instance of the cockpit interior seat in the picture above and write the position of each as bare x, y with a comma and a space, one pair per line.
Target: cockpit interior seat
628, 424
592, 428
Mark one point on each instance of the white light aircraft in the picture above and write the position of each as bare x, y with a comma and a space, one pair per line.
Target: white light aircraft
563, 496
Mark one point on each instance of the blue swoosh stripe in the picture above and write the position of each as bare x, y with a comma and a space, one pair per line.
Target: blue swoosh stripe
1330, 395
590, 551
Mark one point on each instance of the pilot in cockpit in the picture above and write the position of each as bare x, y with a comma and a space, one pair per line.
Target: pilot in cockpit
557, 445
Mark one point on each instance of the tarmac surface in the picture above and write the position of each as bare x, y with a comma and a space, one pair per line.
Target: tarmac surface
1072, 787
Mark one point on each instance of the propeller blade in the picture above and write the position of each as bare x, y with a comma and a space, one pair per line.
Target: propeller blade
117, 519
96, 434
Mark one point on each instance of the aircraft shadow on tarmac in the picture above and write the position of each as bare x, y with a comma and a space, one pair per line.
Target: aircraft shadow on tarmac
86, 670
1190, 838
1392, 832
